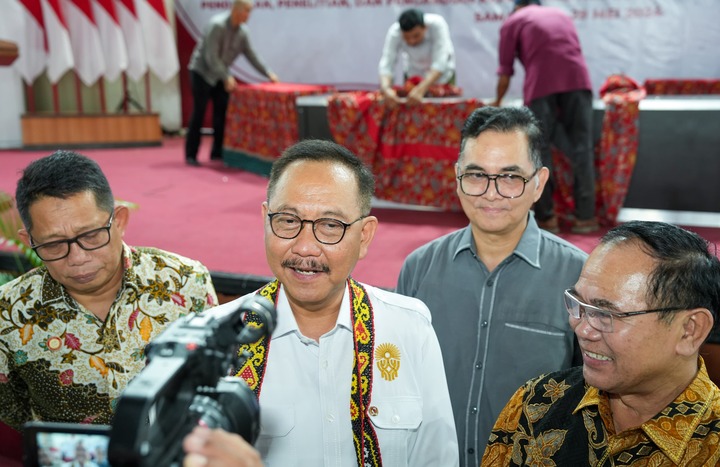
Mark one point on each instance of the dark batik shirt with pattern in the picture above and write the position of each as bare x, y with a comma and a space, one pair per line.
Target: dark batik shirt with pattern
59, 362
558, 419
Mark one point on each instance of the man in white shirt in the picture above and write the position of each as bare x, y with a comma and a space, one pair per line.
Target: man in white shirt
353, 374
424, 40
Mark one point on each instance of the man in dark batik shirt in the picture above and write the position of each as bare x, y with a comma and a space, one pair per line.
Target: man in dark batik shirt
645, 302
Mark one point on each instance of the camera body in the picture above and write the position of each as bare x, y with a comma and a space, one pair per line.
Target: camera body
184, 384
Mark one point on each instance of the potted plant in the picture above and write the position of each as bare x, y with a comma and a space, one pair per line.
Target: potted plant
10, 223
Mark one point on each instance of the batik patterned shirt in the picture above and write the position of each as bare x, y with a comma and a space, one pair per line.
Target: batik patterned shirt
59, 362
558, 419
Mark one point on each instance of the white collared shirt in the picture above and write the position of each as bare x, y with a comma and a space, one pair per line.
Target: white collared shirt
305, 396
435, 52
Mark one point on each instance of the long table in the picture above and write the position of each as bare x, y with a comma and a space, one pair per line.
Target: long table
413, 149
262, 122
677, 152
653, 153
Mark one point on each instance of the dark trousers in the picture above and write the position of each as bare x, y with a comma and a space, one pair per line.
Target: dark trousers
202, 92
566, 119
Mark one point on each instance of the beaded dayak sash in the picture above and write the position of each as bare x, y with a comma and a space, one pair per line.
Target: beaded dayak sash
367, 448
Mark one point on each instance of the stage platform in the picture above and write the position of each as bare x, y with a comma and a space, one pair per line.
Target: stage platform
678, 154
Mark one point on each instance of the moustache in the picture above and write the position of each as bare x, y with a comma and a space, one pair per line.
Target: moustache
306, 265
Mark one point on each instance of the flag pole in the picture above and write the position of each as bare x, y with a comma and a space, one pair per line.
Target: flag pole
78, 95
30, 96
56, 98
101, 91
148, 102
125, 92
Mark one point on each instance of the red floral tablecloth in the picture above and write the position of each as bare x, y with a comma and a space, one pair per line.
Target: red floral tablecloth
262, 118
615, 153
412, 150
682, 86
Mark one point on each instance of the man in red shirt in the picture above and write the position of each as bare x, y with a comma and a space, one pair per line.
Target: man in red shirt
557, 89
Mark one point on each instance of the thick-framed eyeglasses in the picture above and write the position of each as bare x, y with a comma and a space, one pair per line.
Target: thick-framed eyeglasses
599, 319
326, 230
507, 185
88, 241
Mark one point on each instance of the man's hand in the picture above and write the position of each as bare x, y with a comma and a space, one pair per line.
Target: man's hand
391, 97
273, 77
502, 86
218, 448
416, 94
230, 84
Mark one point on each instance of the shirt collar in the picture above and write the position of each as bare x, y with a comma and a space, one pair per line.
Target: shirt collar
128, 265
528, 248
228, 22
671, 438
286, 322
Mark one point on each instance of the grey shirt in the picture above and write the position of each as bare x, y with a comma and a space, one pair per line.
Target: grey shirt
496, 330
220, 45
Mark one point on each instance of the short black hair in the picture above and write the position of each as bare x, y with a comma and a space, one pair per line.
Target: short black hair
318, 150
410, 19
62, 174
505, 120
526, 2
687, 273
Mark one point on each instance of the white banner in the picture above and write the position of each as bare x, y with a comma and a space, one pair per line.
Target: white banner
338, 42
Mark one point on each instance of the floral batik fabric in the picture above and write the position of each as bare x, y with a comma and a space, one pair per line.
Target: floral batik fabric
59, 362
558, 420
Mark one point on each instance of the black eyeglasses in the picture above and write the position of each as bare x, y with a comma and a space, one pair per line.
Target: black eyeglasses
88, 241
599, 319
507, 185
326, 230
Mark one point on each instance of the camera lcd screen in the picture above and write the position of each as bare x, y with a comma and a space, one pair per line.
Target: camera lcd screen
65, 444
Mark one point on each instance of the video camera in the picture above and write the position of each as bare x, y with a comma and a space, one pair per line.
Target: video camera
185, 383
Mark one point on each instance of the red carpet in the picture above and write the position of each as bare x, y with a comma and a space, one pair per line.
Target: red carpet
212, 213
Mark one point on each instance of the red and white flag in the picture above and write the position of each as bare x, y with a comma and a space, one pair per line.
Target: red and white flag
134, 41
160, 44
85, 40
60, 55
31, 43
111, 38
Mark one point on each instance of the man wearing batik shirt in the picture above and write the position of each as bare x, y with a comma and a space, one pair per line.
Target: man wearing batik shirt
73, 332
645, 302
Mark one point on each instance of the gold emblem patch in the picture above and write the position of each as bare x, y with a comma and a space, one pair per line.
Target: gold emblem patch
387, 357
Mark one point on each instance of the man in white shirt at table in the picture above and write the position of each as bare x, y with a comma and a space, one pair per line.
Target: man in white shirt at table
424, 39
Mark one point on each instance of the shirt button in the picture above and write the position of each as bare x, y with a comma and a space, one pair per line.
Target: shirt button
330, 417
324, 364
373, 411
473, 410
478, 366
471, 451
490, 283
484, 324
396, 419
